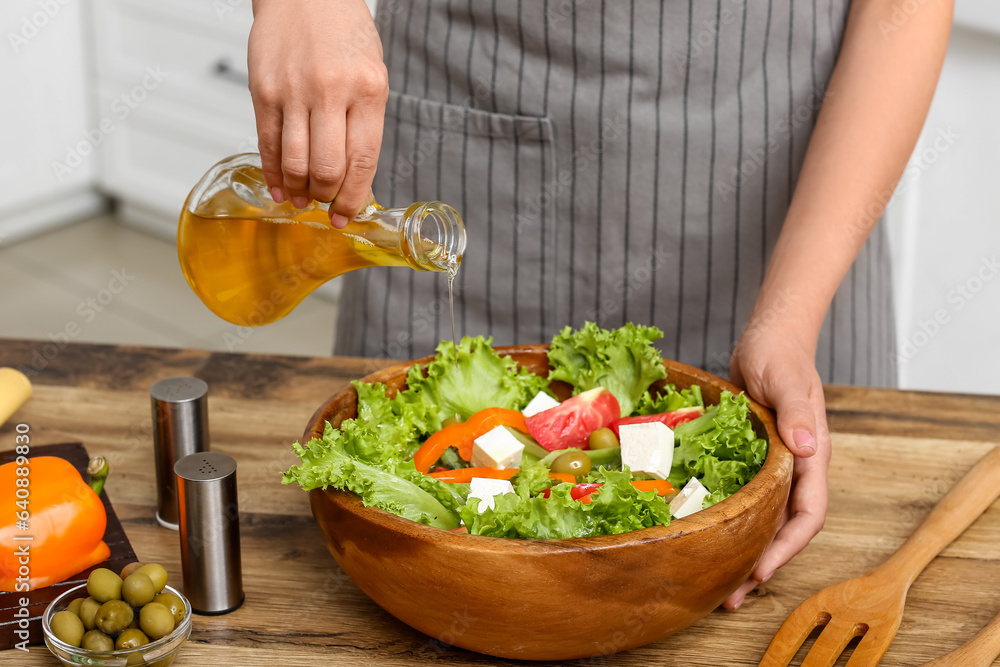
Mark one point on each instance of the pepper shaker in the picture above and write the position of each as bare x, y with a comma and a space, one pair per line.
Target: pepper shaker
210, 532
180, 427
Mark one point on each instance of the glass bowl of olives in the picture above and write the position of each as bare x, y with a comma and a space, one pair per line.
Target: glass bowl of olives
119, 619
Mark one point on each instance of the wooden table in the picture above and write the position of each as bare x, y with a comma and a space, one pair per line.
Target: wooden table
895, 454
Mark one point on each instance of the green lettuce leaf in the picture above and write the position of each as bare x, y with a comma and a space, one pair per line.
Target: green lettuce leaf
622, 360
468, 379
720, 448
393, 484
669, 400
618, 507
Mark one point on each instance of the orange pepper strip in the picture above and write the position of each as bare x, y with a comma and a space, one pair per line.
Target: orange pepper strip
563, 477
466, 474
587, 499
66, 520
661, 486
463, 436
485, 421
435, 446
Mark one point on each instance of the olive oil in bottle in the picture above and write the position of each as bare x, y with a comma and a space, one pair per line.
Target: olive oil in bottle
252, 260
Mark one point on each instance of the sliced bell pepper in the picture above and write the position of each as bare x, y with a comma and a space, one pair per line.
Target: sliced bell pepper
562, 477
465, 475
463, 436
672, 419
64, 516
661, 486
587, 499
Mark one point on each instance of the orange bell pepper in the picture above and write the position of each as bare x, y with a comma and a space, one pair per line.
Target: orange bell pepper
661, 486
466, 474
463, 436
65, 520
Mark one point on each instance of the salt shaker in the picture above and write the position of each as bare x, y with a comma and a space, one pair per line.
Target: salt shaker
180, 427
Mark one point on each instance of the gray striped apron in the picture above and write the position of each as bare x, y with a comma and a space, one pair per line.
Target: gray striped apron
614, 161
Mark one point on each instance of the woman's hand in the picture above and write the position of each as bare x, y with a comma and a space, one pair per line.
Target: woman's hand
778, 370
319, 90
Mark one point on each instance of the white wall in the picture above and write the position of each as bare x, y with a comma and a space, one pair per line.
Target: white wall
44, 114
945, 221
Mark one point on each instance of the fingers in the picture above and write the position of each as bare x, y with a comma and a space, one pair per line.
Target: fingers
269, 122
735, 600
295, 156
796, 409
808, 503
364, 137
326, 153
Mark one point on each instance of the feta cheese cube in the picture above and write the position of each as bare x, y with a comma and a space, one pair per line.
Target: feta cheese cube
486, 490
497, 449
647, 448
689, 500
540, 403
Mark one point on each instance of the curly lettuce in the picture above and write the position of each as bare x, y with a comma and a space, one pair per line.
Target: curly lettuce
623, 361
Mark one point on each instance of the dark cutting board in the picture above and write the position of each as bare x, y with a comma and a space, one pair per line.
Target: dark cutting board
121, 554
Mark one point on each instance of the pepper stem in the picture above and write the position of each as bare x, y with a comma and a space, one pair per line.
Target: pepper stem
98, 470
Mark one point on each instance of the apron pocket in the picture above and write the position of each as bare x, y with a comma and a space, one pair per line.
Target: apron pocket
498, 171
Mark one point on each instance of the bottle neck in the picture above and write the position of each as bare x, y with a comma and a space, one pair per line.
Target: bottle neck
430, 235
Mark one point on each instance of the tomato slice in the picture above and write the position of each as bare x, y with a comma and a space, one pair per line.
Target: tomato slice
671, 419
570, 423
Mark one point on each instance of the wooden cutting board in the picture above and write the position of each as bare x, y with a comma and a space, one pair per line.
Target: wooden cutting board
121, 554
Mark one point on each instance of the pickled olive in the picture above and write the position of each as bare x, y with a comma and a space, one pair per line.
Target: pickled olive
113, 617
604, 438
88, 610
138, 589
67, 627
574, 463
74, 606
156, 574
131, 638
130, 568
104, 585
174, 604
156, 620
450, 421
95, 640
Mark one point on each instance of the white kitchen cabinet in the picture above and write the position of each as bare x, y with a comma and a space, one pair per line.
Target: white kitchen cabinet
944, 221
178, 69
47, 136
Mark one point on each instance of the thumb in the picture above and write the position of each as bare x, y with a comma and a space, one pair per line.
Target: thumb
796, 418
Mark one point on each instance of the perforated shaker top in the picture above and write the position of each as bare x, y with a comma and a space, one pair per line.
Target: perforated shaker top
205, 467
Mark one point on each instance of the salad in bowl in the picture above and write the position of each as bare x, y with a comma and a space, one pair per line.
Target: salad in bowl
475, 443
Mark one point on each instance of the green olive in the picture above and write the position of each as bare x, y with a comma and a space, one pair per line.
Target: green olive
134, 623
136, 658
574, 463
131, 638
450, 421
156, 574
74, 606
174, 603
113, 617
88, 611
604, 438
95, 640
67, 627
104, 585
130, 568
137, 589
156, 620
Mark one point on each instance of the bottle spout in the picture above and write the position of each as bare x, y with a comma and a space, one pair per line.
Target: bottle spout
435, 236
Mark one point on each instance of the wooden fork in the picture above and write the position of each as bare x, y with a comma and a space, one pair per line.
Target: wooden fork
871, 606
980, 651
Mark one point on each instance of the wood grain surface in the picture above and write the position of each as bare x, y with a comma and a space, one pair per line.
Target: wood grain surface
895, 455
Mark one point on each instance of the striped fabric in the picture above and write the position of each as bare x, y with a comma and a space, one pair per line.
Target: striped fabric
614, 161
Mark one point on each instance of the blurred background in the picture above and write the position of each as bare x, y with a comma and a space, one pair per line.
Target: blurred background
115, 108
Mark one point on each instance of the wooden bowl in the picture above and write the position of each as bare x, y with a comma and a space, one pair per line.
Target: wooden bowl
554, 599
